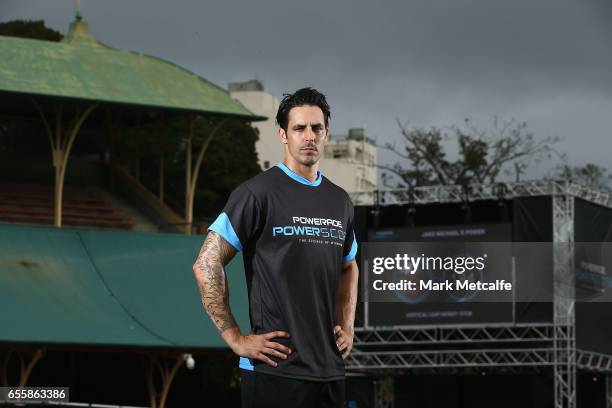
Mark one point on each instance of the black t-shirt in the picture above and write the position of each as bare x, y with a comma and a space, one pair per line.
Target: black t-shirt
295, 235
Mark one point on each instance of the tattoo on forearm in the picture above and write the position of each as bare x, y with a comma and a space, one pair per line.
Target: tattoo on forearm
212, 281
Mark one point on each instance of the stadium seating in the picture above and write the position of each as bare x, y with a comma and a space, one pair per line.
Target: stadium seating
30, 203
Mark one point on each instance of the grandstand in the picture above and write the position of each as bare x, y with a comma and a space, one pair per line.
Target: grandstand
31, 203
96, 287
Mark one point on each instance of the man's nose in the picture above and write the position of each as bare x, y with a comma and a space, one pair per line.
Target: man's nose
309, 134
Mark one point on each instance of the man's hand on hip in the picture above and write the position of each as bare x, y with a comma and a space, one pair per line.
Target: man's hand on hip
259, 346
344, 341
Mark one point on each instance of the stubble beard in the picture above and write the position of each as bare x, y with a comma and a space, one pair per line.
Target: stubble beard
309, 160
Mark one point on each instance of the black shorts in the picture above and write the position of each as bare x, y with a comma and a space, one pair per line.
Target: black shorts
271, 391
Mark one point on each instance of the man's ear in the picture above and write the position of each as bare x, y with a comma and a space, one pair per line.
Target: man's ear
283, 135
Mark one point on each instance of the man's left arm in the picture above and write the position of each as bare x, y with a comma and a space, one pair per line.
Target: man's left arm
346, 304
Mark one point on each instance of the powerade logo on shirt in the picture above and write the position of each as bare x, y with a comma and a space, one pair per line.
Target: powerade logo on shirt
311, 227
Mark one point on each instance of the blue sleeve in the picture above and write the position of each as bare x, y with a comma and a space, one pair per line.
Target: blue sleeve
350, 243
239, 222
223, 226
352, 252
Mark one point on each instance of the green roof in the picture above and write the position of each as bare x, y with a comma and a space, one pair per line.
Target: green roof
81, 67
107, 289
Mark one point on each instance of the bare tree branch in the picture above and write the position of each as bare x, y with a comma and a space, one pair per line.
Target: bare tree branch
483, 154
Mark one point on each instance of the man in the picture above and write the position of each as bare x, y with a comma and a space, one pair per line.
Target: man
295, 228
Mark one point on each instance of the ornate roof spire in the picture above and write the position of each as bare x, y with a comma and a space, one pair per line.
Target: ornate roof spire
78, 33
78, 9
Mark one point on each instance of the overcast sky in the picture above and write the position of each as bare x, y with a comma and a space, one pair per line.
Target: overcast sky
426, 62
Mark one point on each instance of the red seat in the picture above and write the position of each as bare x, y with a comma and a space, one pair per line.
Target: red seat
34, 204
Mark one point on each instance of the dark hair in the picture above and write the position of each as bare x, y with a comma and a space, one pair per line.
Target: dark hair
301, 97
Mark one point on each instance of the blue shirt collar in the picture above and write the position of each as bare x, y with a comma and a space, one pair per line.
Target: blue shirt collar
299, 178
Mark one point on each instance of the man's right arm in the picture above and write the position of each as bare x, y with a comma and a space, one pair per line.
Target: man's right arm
209, 270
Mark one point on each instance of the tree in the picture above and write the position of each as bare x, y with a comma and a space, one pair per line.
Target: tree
230, 159
482, 154
35, 29
24, 29
590, 175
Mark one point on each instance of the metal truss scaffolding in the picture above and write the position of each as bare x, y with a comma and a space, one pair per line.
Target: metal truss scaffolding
473, 192
550, 346
609, 390
597, 362
564, 311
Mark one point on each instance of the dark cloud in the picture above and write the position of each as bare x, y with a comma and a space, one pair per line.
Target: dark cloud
547, 62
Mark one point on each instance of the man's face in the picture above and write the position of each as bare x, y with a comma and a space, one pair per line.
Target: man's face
306, 134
